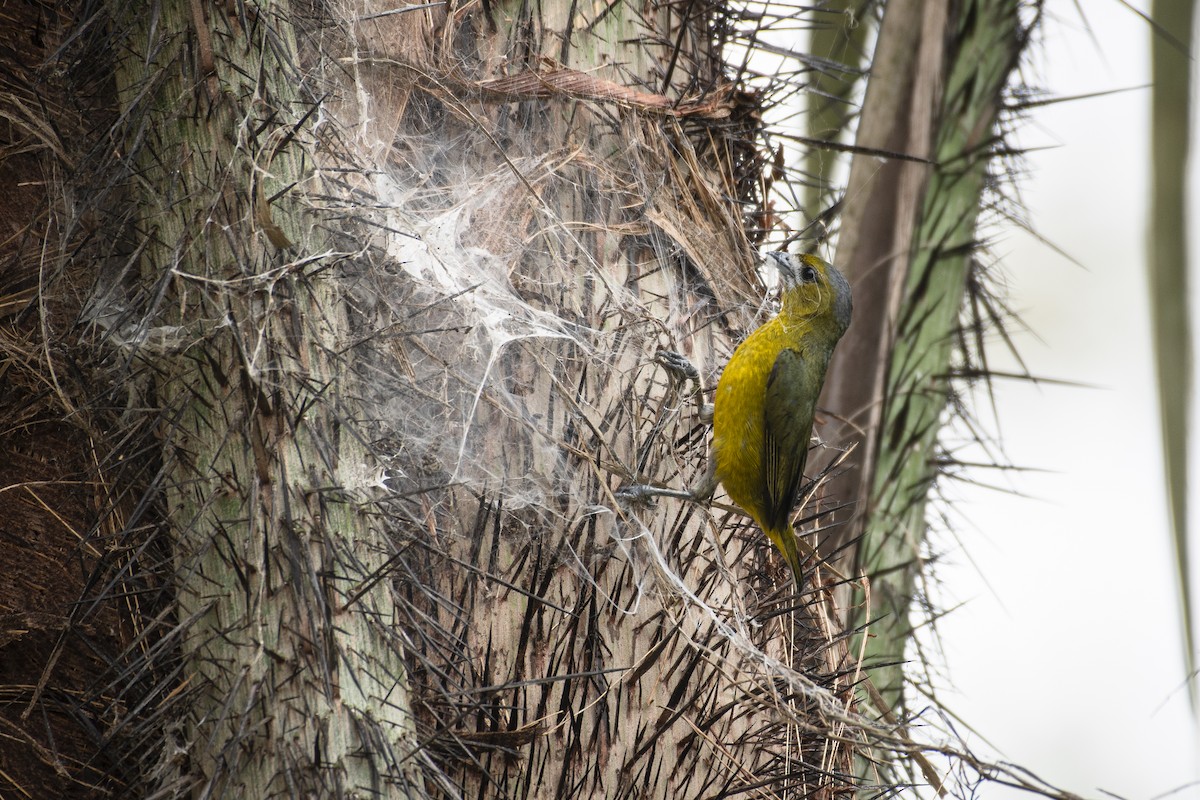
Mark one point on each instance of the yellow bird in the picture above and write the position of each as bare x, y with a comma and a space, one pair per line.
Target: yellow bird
765, 399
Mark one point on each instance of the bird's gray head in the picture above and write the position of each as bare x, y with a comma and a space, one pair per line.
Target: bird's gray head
813, 286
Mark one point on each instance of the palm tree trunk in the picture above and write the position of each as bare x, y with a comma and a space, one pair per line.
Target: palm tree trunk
587, 215
293, 679
918, 278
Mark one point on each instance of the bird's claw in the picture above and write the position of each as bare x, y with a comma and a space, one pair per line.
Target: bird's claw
680, 368
681, 371
638, 494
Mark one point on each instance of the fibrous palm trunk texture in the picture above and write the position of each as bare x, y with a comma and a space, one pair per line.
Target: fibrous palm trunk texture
577, 183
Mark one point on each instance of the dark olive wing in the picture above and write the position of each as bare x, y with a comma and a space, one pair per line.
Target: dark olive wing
787, 427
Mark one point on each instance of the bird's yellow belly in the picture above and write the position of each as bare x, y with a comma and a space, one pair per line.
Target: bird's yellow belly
738, 421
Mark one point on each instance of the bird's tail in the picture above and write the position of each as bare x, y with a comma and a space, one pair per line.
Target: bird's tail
785, 541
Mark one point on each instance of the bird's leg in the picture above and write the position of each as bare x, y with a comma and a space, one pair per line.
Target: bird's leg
700, 493
703, 491
681, 371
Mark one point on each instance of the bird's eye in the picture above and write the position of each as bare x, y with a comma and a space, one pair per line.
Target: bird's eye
808, 275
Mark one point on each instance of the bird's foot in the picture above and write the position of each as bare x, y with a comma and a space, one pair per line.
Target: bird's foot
681, 371
645, 494
678, 366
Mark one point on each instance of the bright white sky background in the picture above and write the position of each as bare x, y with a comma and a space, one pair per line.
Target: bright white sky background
1067, 653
